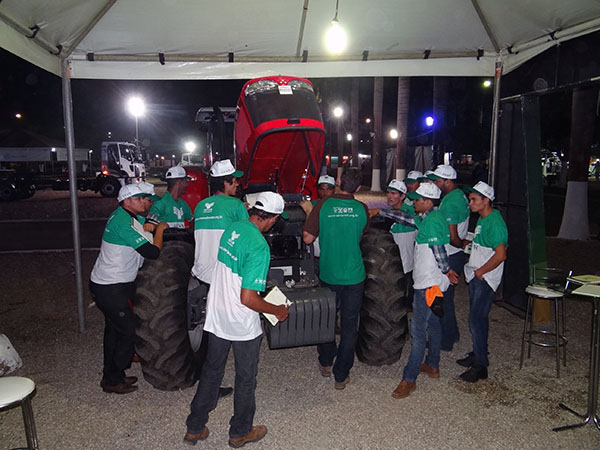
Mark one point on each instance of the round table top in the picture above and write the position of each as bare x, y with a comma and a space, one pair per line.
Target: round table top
14, 389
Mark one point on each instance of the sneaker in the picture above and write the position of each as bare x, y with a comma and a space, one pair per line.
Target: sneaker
404, 389
256, 434
191, 439
474, 374
339, 385
325, 370
430, 371
467, 361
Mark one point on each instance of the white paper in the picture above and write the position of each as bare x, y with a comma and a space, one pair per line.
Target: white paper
140, 229
275, 297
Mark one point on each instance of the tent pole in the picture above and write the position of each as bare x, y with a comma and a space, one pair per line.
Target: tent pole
495, 117
70, 141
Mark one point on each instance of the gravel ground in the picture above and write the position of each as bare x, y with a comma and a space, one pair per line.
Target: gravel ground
512, 409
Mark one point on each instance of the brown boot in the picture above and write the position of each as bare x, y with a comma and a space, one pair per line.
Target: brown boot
256, 434
430, 371
324, 370
404, 389
191, 439
122, 388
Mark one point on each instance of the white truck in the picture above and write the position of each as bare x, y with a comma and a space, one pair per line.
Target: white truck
23, 170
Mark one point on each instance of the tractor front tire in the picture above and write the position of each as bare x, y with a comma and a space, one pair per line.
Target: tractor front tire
383, 318
162, 341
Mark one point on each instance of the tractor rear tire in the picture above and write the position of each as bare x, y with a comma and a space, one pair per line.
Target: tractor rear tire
162, 341
383, 318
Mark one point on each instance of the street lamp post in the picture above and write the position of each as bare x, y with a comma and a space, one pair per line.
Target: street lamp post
137, 108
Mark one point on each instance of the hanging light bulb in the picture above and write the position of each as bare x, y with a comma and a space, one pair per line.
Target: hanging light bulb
335, 38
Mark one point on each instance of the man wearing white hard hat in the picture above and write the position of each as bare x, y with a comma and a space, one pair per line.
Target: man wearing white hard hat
171, 208
325, 189
455, 207
412, 182
211, 216
112, 282
215, 213
404, 235
232, 320
431, 276
483, 272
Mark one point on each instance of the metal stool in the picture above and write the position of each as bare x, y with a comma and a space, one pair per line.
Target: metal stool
550, 286
19, 391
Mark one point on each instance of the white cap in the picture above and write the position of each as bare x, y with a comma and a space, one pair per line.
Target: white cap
397, 185
224, 168
175, 172
147, 188
413, 176
443, 171
427, 190
270, 202
131, 190
484, 189
326, 179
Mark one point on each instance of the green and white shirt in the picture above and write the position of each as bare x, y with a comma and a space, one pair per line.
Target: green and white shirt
211, 216
119, 261
339, 222
490, 232
175, 213
433, 230
455, 207
243, 262
404, 237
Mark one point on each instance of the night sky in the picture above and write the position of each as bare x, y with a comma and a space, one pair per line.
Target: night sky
99, 105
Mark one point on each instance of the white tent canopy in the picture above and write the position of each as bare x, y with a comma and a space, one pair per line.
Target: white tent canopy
207, 39
202, 39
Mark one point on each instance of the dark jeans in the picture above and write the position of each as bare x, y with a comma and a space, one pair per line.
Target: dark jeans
425, 331
246, 367
348, 299
450, 333
119, 328
481, 296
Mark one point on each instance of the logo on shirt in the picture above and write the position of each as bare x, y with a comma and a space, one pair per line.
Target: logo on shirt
208, 207
178, 212
234, 236
343, 210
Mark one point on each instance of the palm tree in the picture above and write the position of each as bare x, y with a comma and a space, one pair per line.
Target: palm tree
377, 119
354, 95
402, 127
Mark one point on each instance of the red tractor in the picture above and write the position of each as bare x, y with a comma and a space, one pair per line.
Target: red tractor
278, 142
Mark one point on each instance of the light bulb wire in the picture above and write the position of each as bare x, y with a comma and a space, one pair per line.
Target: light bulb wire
337, 4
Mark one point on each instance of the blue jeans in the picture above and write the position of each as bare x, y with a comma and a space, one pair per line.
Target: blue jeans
348, 299
450, 333
481, 296
423, 322
246, 367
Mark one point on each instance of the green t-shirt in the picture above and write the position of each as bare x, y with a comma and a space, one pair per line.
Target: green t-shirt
244, 250
243, 263
433, 230
218, 212
175, 213
455, 207
491, 231
341, 224
400, 228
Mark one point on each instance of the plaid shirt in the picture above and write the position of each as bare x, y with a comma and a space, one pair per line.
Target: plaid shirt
403, 218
